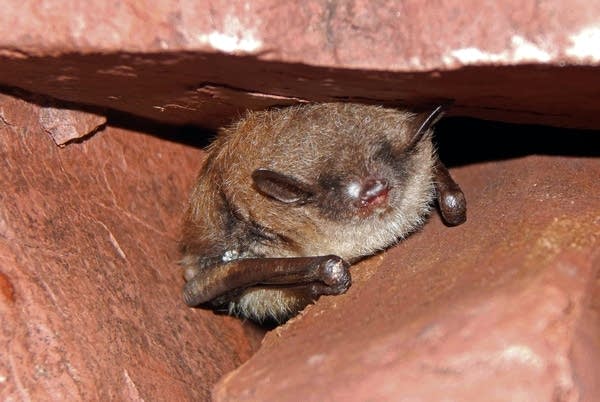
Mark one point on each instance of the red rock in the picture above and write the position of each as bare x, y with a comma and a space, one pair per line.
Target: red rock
65, 125
504, 307
524, 62
90, 301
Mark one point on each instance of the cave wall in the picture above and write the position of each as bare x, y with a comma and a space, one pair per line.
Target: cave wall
204, 62
501, 308
90, 300
505, 307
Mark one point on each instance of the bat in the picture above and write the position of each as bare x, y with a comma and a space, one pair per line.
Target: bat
287, 199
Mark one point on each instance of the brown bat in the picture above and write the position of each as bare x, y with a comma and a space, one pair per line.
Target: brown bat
287, 199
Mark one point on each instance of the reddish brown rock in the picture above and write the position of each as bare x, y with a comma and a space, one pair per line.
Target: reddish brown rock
62, 123
205, 62
504, 307
379, 35
65, 125
90, 305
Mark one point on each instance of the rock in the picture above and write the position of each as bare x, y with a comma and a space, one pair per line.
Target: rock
205, 62
65, 125
90, 300
504, 307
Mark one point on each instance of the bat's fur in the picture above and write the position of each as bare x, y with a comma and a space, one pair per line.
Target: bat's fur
329, 149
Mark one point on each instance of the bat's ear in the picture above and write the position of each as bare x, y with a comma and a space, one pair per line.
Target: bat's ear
422, 122
283, 188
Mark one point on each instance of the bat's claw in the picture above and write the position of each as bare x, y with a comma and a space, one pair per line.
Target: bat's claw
335, 276
453, 207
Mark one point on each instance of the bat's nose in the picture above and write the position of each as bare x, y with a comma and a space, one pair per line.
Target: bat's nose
374, 189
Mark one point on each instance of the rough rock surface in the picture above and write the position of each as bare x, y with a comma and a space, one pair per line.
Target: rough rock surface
382, 34
503, 308
204, 62
90, 304
65, 125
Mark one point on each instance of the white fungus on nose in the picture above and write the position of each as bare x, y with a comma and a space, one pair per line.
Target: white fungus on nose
353, 189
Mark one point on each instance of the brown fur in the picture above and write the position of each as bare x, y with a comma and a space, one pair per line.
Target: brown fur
327, 147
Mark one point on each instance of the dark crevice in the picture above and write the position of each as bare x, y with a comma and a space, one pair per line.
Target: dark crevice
463, 141
194, 136
459, 140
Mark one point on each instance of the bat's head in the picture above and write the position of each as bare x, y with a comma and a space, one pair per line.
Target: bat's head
354, 162
335, 178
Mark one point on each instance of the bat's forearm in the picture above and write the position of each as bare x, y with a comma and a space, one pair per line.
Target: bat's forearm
330, 273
